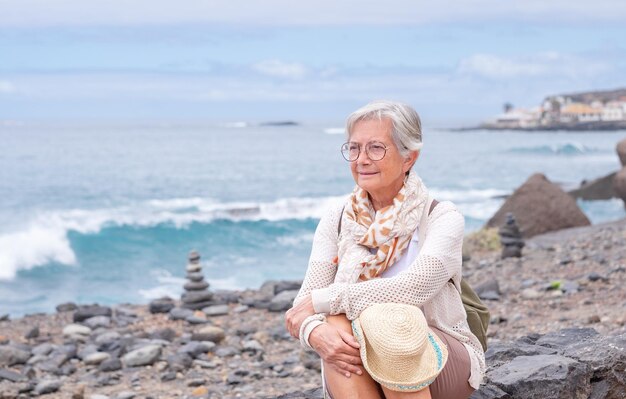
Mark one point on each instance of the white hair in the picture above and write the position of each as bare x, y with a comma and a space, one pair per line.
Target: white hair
407, 127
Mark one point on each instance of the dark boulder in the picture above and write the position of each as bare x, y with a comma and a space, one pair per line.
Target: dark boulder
540, 206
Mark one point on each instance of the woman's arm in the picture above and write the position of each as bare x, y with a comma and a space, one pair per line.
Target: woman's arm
438, 261
322, 269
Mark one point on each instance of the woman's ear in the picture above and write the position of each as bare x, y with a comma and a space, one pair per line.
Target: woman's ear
410, 160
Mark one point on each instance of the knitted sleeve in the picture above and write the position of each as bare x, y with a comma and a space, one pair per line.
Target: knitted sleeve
438, 261
321, 270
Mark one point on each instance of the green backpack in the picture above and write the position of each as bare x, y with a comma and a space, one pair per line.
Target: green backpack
477, 313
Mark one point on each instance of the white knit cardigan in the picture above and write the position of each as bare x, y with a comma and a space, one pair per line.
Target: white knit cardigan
426, 283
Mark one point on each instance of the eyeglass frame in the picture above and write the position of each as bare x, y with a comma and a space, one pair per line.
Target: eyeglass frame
385, 146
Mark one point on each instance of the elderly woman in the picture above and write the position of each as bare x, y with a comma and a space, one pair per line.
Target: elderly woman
365, 252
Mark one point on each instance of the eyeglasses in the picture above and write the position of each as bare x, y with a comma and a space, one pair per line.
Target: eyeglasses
375, 150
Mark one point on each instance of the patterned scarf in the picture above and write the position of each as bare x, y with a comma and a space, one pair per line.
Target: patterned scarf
387, 231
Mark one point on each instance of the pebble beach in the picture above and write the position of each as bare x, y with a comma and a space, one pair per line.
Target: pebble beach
237, 346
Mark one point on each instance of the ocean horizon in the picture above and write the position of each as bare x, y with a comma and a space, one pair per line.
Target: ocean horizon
107, 212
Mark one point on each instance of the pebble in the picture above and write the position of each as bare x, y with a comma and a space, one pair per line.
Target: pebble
96, 358
209, 333
216, 310
143, 356
47, 386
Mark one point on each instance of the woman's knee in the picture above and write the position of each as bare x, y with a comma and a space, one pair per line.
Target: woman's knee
355, 387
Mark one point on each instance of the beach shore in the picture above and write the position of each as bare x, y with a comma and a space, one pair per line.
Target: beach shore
574, 278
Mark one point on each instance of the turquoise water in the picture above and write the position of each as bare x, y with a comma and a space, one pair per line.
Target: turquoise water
107, 213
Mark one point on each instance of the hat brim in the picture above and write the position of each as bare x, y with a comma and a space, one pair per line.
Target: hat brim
385, 372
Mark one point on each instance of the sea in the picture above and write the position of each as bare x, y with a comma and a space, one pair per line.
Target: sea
107, 212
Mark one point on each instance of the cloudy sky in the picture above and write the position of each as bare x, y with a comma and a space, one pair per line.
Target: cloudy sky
455, 61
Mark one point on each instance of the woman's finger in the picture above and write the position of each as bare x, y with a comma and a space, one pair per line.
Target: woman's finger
349, 339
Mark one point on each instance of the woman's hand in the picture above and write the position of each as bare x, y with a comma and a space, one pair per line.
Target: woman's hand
339, 349
296, 315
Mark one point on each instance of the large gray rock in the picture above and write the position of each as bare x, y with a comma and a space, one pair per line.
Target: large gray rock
543, 376
597, 189
10, 356
47, 386
619, 184
143, 356
570, 363
540, 206
621, 151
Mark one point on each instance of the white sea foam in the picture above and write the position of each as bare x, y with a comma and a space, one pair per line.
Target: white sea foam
45, 240
335, 130
168, 285
234, 125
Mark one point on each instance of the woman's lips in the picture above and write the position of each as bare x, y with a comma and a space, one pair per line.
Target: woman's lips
367, 173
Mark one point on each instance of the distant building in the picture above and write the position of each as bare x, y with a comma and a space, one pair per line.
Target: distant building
578, 112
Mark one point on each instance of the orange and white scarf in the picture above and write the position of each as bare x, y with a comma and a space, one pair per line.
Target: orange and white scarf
387, 231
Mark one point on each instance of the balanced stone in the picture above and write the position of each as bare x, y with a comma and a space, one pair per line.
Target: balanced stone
196, 286
511, 238
196, 295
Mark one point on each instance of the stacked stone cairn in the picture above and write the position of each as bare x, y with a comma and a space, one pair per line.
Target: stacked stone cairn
196, 295
511, 238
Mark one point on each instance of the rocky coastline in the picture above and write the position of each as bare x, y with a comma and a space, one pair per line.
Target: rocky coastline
558, 330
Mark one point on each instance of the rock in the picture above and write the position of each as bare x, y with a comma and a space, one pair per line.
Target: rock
195, 348
209, 333
489, 289
85, 312
566, 337
196, 286
96, 358
10, 375
310, 360
161, 305
282, 301
226, 351
315, 393
195, 276
77, 332
199, 391
32, 333
10, 356
192, 297
531, 293
252, 346
619, 184
47, 386
143, 356
501, 352
126, 395
488, 391
540, 206
621, 151
43, 349
596, 189
510, 238
543, 376
594, 276
97, 322
5, 317
240, 309
112, 364
216, 310
66, 307
165, 334
107, 338
180, 361
180, 313
97, 396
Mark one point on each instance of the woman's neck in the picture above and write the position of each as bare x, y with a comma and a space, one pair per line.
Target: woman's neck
385, 197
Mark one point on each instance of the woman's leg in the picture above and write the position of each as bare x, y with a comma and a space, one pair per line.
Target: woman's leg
357, 386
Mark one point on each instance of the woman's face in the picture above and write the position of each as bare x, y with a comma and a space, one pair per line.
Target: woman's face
384, 177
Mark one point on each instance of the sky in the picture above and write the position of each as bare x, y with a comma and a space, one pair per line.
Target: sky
456, 62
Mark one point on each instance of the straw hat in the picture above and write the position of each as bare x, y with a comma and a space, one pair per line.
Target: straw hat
398, 349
